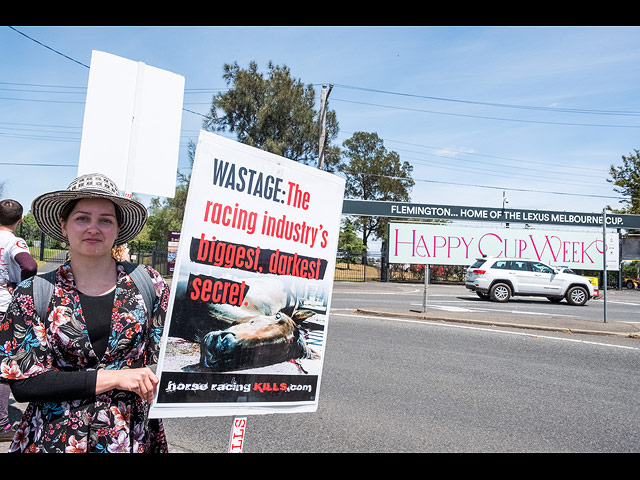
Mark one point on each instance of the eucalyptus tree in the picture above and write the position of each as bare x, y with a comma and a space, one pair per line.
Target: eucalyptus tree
374, 173
626, 178
273, 112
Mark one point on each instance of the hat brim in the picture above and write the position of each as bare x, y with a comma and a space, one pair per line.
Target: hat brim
46, 210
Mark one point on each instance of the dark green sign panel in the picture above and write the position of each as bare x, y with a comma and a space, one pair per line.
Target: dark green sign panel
485, 214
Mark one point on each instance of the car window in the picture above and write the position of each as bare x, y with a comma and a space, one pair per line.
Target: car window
515, 265
541, 267
501, 264
478, 263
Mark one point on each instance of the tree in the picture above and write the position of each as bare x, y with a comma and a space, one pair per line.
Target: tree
349, 244
374, 173
273, 112
28, 229
627, 178
166, 214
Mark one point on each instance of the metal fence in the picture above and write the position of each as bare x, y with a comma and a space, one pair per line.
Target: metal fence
352, 269
148, 253
444, 274
42, 247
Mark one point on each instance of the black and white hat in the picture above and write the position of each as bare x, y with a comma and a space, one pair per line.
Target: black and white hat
47, 208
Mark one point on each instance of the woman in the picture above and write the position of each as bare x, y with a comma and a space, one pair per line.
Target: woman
84, 367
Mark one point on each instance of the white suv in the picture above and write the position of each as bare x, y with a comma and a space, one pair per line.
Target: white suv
502, 278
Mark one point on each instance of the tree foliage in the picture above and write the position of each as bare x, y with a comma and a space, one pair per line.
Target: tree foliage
166, 214
273, 112
28, 228
374, 173
349, 244
627, 180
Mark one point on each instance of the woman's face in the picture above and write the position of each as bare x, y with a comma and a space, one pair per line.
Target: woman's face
91, 227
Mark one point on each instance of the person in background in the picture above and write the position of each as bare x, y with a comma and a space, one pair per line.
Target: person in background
16, 264
121, 252
86, 367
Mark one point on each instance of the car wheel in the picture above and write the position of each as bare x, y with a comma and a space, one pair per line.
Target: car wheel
630, 285
577, 296
482, 295
500, 292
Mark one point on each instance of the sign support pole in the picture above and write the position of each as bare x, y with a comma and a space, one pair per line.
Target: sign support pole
604, 261
426, 286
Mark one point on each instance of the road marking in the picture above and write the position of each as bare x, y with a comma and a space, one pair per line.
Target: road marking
624, 303
378, 292
484, 329
471, 310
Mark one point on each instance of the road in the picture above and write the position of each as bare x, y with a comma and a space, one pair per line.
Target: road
622, 305
396, 385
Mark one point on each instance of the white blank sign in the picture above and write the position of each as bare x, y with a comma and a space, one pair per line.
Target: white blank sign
131, 129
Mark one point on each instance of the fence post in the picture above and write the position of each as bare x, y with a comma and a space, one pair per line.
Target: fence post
41, 246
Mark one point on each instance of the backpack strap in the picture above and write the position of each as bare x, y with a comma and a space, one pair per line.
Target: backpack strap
42, 291
44, 283
142, 280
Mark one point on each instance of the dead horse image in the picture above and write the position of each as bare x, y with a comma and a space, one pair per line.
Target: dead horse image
267, 329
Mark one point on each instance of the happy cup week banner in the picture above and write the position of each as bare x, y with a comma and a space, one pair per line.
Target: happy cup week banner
247, 319
452, 245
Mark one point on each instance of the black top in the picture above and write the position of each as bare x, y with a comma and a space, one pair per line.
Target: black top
55, 386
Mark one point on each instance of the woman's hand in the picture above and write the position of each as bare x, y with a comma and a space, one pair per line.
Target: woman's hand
141, 381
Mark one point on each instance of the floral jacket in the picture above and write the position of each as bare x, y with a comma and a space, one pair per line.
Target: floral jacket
114, 421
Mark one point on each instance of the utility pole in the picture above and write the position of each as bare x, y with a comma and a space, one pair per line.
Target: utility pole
323, 132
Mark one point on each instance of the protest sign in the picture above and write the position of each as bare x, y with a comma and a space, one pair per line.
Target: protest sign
131, 128
247, 319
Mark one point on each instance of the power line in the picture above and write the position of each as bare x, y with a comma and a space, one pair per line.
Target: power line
492, 187
484, 117
444, 149
76, 61
46, 46
504, 105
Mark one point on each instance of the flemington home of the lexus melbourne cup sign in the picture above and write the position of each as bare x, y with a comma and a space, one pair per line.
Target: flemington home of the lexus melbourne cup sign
486, 214
449, 244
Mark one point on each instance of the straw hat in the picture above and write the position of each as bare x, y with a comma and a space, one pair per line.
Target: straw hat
47, 208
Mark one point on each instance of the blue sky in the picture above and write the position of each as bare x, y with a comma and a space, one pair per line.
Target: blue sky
537, 112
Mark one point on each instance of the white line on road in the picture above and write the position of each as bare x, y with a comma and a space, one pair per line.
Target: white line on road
493, 330
624, 303
461, 309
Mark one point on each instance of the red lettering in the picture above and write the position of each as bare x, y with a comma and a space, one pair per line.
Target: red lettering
217, 291
480, 242
450, 246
